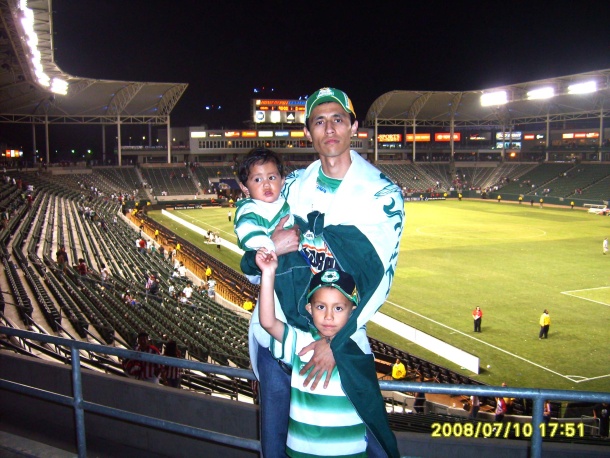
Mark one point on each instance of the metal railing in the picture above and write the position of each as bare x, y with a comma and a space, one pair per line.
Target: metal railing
80, 405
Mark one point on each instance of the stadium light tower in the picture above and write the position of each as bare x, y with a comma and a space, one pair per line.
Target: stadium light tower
57, 85
494, 98
541, 93
582, 88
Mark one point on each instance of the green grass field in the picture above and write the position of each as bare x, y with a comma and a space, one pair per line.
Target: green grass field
513, 261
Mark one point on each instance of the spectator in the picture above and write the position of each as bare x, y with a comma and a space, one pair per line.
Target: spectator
82, 268
546, 415
172, 375
105, 274
340, 180
130, 300
248, 305
188, 290
211, 288
500, 409
327, 287
398, 370
182, 271
475, 405
142, 245
601, 412
144, 370
420, 397
509, 401
152, 288
62, 258
171, 289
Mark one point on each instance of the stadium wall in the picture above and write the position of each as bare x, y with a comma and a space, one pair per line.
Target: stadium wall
54, 424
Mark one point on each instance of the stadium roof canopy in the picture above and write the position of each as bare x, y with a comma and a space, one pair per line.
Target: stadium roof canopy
25, 96
429, 108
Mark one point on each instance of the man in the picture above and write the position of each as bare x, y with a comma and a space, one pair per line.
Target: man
188, 290
398, 370
500, 409
475, 406
545, 324
248, 305
105, 275
144, 370
211, 288
477, 316
509, 402
351, 217
602, 412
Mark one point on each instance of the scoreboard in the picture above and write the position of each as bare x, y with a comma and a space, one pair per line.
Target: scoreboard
274, 111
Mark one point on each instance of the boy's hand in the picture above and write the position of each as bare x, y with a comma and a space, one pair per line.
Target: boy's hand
322, 361
285, 240
266, 261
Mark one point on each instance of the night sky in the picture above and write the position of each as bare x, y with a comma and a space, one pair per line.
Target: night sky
225, 49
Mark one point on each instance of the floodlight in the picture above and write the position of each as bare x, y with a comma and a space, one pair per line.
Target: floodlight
541, 93
59, 86
582, 88
494, 98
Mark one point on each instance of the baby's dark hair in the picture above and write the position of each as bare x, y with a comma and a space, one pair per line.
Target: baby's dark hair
258, 155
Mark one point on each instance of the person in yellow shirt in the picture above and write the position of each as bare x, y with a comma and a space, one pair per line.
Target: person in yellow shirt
248, 305
545, 324
208, 273
398, 370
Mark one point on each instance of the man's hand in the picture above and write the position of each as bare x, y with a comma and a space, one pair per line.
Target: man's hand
285, 240
322, 361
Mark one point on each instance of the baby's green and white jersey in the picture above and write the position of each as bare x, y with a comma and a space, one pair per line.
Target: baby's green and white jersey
322, 422
255, 220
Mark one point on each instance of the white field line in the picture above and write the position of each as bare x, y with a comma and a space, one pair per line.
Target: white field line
185, 215
572, 378
569, 293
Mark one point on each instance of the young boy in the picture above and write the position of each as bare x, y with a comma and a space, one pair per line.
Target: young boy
261, 176
322, 422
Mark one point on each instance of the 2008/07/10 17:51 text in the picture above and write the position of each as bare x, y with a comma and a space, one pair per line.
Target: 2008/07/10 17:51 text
506, 430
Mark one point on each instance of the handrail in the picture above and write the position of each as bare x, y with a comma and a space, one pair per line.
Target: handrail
80, 405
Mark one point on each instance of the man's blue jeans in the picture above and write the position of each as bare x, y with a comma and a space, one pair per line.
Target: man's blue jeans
274, 401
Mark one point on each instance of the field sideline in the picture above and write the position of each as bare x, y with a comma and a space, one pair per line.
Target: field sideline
513, 261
